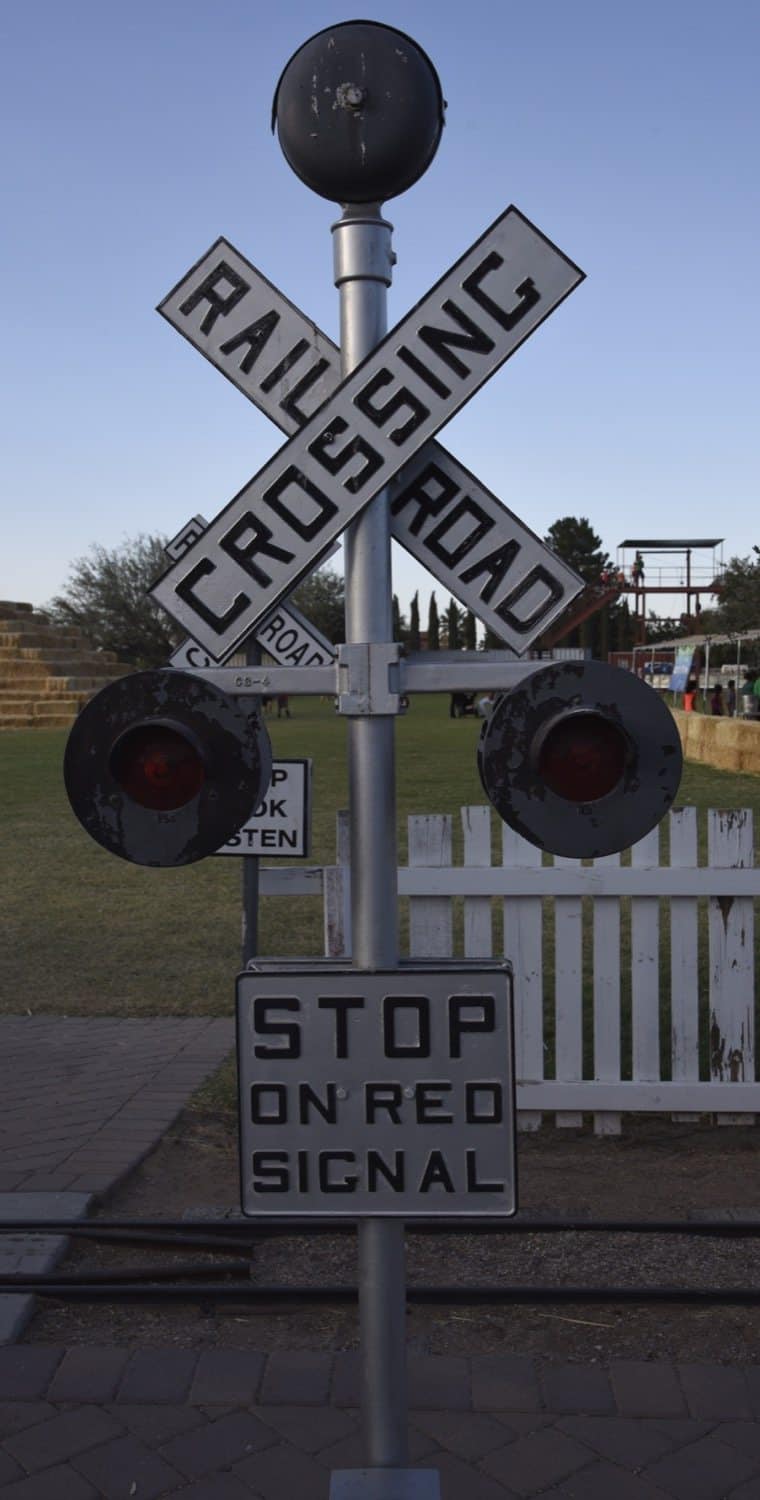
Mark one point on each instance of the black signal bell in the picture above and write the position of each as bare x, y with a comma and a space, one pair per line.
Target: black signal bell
581, 758
162, 768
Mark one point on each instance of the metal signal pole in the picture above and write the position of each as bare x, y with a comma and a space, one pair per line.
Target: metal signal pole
359, 114
363, 260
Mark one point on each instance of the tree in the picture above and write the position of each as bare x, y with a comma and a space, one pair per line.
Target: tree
453, 626
574, 539
491, 641
414, 624
322, 598
434, 626
469, 632
106, 597
395, 618
738, 595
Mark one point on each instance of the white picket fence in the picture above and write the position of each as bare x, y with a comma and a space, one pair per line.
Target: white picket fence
642, 989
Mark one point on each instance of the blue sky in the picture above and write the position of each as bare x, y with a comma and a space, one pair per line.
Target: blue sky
135, 134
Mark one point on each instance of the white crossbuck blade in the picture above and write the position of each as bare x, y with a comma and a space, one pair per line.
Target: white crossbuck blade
353, 437
286, 635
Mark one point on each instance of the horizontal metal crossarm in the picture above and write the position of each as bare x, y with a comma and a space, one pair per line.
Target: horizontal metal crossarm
358, 681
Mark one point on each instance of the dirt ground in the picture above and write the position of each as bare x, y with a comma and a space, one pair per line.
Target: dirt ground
656, 1169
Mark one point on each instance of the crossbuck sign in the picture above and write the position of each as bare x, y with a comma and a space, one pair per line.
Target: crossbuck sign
376, 423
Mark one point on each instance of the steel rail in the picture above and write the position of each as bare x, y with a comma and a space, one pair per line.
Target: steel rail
226, 1234
89, 1291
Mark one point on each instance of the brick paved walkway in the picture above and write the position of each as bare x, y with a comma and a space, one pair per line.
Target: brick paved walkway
81, 1103
224, 1425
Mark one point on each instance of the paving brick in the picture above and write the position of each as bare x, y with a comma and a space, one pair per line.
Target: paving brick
227, 1377
707, 1470
468, 1434
715, 1391
60, 1483
88, 1374
63, 1436
158, 1375
742, 1435
298, 1377
577, 1388
10, 1180
96, 1183
310, 1428
157, 1424
748, 1491
349, 1452
216, 1487
126, 1468
602, 1481
16, 1415
646, 1389
9, 1469
49, 1182
347, 1378
752, 1377
680, 1430
631, 1442
458, 1480
26, 1370
504, 1382
218, 1444
438, 1381
533, 1463
281, 1471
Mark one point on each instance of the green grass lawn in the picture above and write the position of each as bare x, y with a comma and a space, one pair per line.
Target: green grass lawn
85, 933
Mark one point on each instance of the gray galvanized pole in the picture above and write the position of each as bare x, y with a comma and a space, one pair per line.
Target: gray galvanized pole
251, 862
363, 260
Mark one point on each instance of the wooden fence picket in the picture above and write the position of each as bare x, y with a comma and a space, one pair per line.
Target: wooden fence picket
606, 944
431, 931
336, 901
478, 916
645, 967
731, 931
568, 992
684, 958
523, 946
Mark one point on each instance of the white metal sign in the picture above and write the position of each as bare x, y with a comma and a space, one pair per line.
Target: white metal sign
272, 532
477, 548
281, 824
286, 635
385, 1094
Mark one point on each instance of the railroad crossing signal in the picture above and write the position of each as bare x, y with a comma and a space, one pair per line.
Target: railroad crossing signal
439, 511
161, 768
279, 524
581, 758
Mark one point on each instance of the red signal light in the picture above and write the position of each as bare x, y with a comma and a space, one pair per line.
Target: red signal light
582, 757
157, 767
